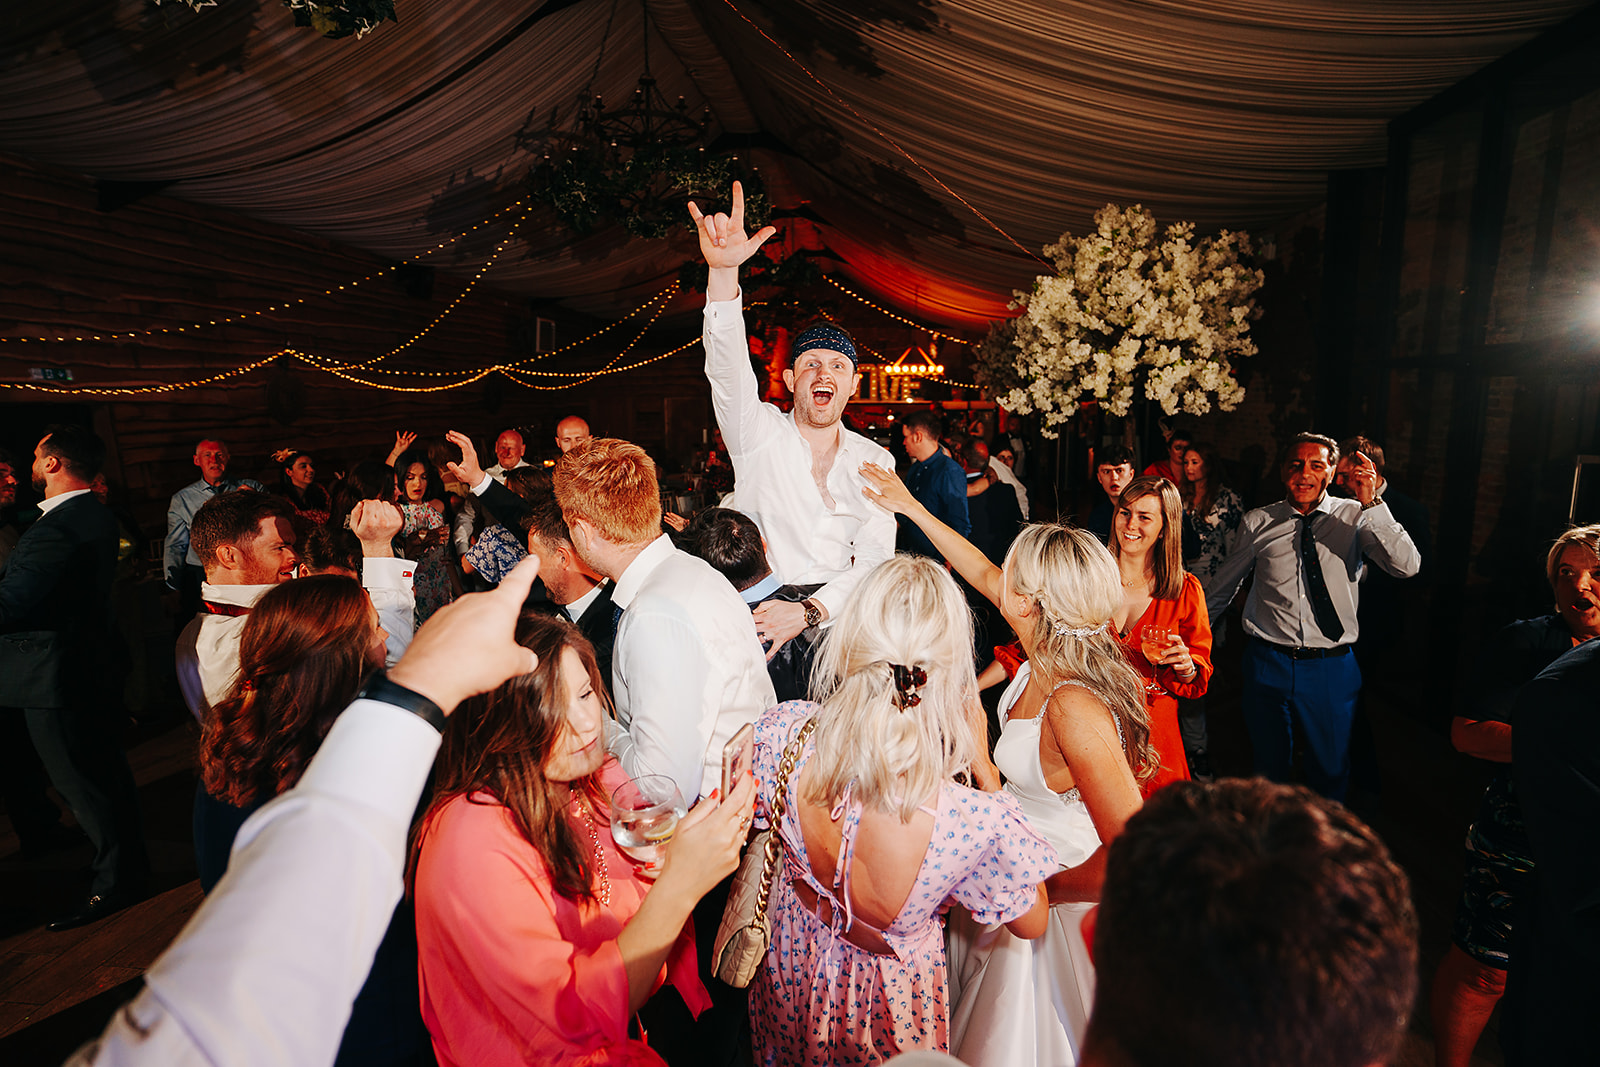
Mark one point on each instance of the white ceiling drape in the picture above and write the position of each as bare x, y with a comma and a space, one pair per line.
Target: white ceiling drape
1035, 112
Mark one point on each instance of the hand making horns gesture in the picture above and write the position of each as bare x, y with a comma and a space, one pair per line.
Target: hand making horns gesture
723, 242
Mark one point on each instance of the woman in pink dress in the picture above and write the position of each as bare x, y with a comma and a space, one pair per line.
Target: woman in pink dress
878, 840
537, 938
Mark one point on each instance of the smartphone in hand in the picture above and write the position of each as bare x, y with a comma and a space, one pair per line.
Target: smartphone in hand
738, 756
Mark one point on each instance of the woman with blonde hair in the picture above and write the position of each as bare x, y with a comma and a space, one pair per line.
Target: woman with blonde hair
1161, 620
1074, 746
877, 836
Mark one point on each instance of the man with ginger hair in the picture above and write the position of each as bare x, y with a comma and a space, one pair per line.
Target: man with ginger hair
687, 669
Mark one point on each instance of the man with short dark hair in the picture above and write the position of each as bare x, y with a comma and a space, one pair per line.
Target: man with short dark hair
687, 669
992, 508
184, 571
1253, 925
583, 596
798, 475
731, 542
247, 541
1308, 553
55, 640
935, 479
1113, 470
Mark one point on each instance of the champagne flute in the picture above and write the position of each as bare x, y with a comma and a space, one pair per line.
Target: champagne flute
644, 816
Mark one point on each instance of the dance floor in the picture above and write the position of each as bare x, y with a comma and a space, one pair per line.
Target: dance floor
58, 989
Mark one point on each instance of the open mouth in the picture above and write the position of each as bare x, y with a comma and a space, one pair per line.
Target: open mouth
822, 395
1584, 605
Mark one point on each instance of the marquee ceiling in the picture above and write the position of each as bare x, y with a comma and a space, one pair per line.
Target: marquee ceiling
936, 144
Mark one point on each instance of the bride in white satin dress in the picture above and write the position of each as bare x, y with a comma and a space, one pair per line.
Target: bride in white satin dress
1073, 748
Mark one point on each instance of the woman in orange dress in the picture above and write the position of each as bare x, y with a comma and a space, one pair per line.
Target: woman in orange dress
1162, 623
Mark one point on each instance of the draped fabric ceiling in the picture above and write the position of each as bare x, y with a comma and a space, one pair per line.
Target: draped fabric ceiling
936, 144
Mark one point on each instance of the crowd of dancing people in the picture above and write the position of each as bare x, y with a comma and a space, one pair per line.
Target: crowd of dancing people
488, 755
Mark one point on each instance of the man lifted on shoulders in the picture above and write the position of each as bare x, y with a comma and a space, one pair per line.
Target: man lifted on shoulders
797, 475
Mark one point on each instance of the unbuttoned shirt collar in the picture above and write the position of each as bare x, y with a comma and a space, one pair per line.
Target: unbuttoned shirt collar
244, 596
50, 503
654, 555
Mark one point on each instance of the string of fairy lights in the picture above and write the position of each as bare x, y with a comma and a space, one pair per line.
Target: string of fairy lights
517, 371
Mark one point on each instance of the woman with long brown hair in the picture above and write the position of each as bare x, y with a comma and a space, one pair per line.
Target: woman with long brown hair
539, 939
1162, 621
303, 654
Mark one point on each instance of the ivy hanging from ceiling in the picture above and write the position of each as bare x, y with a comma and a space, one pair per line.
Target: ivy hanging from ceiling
331, 18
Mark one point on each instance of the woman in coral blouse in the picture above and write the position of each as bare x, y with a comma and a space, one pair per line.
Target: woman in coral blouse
538, 940
1162, 623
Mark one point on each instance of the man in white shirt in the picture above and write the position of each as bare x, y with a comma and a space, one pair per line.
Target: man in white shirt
1308, 552
509, 450
687, 671
797, 475
246, 544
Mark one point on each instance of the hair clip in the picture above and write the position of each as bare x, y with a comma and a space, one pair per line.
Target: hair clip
908, 680
247, 685
1063, 630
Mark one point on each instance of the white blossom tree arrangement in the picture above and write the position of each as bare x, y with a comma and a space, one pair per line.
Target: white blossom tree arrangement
1126, 315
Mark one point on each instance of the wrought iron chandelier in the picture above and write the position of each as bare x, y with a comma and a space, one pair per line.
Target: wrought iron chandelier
633, 165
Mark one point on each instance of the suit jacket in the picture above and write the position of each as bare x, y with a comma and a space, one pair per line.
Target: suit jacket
598, 623
790, 669
55, 605
1552, 985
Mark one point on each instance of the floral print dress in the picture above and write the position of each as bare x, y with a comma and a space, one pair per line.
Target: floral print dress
1217, 528
431, 584
818, 999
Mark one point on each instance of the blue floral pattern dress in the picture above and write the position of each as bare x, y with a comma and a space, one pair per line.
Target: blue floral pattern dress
1217, 528
818, 999
431, 583
494, 553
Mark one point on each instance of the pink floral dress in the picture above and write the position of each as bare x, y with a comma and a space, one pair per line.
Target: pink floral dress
819, 999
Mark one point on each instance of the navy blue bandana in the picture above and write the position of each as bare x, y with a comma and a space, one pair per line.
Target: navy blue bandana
825, 335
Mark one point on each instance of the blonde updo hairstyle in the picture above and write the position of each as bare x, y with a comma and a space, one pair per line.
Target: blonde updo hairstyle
1072, 582
909, 612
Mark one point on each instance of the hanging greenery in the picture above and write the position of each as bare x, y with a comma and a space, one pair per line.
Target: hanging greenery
644, 194
331, 18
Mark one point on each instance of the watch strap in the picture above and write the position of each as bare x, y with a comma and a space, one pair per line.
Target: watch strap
381, 689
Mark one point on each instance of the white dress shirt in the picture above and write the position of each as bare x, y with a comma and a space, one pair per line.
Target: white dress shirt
266, 971
687, 671
499, 471
576, 609
207, 651
1278, 608
807, 542
50, 503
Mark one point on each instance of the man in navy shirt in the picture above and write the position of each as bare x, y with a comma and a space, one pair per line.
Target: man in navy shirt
934, 479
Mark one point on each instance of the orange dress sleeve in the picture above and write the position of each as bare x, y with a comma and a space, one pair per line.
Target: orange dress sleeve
1188, 616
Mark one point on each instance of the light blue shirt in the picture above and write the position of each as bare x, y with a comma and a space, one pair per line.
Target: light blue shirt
180, 513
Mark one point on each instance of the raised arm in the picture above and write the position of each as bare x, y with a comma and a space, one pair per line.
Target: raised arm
885, 488
725, 246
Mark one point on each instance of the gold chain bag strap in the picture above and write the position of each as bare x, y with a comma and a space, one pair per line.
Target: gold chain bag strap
742, 937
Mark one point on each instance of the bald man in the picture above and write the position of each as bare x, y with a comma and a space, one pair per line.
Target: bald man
509, 450
572, 432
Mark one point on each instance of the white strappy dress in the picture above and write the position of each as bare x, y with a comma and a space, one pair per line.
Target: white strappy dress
1016, 1001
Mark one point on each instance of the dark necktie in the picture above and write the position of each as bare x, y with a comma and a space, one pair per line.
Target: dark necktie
1321, 603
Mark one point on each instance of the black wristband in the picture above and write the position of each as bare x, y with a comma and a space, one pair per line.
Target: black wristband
379, 688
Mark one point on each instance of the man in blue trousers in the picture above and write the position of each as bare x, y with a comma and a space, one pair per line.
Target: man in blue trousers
1300, 616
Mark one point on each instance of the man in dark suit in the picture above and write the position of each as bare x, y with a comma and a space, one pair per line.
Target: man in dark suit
55, 643
731, 542
575, 590
1552, 986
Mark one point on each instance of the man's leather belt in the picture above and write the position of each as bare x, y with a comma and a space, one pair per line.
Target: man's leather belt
1307, 653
